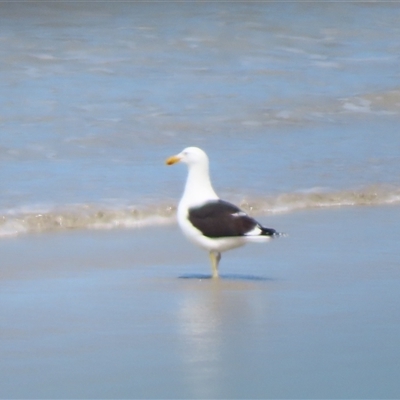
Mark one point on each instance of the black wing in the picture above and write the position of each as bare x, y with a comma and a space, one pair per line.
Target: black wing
219, 218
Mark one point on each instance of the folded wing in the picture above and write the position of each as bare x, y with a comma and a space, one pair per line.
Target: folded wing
220, 218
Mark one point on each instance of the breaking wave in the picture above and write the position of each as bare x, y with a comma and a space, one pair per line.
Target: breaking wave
85, 216
82, 216
324, 198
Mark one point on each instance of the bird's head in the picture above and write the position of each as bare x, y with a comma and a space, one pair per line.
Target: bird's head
189, 156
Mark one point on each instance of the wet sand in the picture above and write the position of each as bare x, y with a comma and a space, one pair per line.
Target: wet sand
133, 314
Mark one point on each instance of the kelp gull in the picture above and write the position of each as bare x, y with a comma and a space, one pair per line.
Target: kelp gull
208, 221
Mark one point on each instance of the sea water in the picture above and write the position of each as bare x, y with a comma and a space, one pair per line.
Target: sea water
297, 105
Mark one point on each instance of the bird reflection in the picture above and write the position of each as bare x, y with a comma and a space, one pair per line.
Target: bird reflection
212, 311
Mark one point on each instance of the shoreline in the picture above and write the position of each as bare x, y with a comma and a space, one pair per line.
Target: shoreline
51, 220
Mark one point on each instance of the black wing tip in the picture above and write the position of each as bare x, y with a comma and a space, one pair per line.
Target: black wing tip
271, 232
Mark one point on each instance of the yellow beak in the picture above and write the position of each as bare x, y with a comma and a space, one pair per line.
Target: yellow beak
172, 160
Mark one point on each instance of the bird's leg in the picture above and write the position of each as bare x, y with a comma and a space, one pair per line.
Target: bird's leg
215, 256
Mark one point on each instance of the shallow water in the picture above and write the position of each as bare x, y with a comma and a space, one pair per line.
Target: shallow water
106, 314
286, 99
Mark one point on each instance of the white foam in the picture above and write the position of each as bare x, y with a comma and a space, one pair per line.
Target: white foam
45, 218
358, 105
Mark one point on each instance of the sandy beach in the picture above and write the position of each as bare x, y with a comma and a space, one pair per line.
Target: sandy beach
132, 313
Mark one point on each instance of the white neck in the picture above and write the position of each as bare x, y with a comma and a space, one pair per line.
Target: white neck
198, 188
